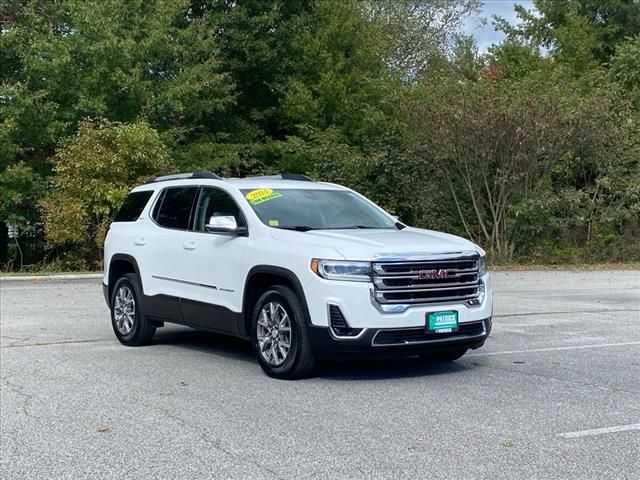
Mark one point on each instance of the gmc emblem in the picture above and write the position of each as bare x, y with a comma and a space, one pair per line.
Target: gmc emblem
433, 274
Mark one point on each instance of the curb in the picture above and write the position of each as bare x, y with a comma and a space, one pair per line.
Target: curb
36, 278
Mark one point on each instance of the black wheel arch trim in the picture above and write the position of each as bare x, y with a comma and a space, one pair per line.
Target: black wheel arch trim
244, 317
124, 258
285, 273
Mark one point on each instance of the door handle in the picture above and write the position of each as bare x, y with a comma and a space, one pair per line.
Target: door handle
140, 242
189, 245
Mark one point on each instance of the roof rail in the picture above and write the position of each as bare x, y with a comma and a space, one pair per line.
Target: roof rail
212, 176
182, 176
296, 176
285, 176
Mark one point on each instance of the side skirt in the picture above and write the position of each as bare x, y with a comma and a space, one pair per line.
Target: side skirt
200, 315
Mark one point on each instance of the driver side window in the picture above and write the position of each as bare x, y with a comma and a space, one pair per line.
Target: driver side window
215, 203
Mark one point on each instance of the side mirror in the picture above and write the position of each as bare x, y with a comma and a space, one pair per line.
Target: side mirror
226, 225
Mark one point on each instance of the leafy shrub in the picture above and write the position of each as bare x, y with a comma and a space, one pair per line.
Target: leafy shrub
94, 171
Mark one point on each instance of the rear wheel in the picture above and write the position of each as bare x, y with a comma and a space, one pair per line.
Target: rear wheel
279, 335
129, 323
444, 356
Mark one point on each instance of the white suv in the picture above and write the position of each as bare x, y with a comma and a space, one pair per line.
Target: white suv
304, 270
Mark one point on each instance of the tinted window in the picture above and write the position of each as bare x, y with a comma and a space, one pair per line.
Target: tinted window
156, 207
214, 202
175, 207
133, 206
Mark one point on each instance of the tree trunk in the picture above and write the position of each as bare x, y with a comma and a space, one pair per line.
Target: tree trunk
4, 244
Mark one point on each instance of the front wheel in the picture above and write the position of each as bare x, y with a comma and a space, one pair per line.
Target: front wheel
279, 335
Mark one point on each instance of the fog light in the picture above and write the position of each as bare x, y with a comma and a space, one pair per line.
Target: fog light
339, 325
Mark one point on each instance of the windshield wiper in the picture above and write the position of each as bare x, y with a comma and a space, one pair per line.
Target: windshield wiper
306, 228
359, 227
298, 228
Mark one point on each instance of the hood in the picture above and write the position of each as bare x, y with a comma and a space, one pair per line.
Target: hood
368, 244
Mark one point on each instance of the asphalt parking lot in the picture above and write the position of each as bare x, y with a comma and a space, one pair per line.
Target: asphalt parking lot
555, 393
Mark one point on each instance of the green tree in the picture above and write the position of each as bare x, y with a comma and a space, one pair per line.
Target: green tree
625, 67
579, 32
513, 59
20, 190
94, 170
117, 59
385, 96
417, 34
495, 143
61, 62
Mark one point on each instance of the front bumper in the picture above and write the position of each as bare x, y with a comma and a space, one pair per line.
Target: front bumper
383, 342
360, 311
105, 292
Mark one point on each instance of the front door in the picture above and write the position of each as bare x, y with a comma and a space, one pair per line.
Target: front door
213, 265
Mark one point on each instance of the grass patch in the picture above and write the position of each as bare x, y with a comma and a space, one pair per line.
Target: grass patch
46, 273
568, 266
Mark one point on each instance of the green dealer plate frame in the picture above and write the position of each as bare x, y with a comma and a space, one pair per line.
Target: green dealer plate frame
442, 322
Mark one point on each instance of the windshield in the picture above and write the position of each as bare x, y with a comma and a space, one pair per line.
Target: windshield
315, 209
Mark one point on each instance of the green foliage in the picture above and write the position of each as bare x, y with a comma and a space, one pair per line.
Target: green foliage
20, 189
625, 67
523, 159
94, 170
515, 60
578, 32
417, 34
385, 96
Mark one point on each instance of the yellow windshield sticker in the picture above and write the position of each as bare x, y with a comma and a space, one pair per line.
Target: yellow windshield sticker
274, 223
256, 197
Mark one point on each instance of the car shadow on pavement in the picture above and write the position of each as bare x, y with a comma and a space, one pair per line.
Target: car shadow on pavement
389, 368
207, 342
345, 370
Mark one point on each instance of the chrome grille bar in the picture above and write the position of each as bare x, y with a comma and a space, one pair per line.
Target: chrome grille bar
426, 287
452, 273
380, 267
431, 280
455, 298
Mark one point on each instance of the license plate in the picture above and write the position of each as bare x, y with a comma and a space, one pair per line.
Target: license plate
442, 322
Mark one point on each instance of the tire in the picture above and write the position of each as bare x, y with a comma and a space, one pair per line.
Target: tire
444, 356
133, 328
270, 349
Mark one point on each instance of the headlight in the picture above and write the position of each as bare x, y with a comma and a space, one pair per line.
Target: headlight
482, 266
342, 270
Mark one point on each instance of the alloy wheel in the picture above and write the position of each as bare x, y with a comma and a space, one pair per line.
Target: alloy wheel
124, 310
274, 333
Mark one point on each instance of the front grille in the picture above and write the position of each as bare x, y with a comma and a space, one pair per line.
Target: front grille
409, 336
428, 281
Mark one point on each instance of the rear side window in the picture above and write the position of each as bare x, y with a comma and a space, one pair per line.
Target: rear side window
173, 209
133, 206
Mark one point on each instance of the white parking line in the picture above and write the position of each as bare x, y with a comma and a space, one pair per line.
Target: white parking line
600, 431
552, 349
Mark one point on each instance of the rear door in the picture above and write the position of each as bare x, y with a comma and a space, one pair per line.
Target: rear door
164, 249
125, 232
